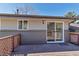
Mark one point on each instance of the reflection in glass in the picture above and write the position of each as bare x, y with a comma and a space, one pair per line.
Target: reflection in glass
50, 31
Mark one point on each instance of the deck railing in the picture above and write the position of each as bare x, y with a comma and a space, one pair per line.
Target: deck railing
8, 43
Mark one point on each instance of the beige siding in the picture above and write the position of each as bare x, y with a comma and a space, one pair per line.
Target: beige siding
66, 26
33, 36
37, 25
8, 24
33, 23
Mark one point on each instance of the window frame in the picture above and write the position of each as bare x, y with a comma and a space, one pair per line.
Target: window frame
22, 24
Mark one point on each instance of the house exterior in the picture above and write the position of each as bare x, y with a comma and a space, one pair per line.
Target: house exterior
35, 28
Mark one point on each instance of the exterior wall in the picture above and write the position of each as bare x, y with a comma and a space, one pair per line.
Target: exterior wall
66, 26
36, 32
33, 23
8, 24
66, 35
33, 37
28, 37
37, 25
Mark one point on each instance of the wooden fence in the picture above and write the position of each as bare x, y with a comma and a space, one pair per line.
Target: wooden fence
74, 37
8, 43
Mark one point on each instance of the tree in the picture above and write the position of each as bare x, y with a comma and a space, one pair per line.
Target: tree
26, 10
70, 14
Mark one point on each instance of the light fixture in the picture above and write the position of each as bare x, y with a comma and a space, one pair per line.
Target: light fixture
43, 21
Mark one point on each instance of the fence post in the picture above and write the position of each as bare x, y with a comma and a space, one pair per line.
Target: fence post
70, 37
19, 39
13, 43
78, 38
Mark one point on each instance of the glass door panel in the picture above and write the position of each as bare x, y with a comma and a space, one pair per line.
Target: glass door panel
59, 31
51, 31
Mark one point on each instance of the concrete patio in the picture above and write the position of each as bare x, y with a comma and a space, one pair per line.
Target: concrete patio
47, 50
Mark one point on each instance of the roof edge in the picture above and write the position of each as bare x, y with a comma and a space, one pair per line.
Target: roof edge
37, 16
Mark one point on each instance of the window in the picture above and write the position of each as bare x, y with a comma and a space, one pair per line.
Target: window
22, 24
25, 25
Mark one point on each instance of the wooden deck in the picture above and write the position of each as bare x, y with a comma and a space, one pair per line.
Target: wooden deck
47, 49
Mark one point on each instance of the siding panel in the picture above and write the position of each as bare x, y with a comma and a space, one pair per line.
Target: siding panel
34, 24
37, 25
34, 36
9, 24
28, 37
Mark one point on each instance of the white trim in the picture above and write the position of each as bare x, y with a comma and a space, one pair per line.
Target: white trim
55, 35
56, 42
28, 25
0, 23
17, 24
46, 31
22, 24
63, 31
55, 32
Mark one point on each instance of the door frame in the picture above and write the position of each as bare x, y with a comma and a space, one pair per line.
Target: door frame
63, 32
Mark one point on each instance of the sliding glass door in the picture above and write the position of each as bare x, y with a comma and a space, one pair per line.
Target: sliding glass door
55, 31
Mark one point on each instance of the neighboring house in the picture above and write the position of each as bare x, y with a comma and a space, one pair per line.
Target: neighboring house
35, 28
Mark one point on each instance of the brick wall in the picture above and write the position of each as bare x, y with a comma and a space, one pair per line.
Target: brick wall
8, 43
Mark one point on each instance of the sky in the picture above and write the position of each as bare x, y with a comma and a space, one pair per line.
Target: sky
49, 9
